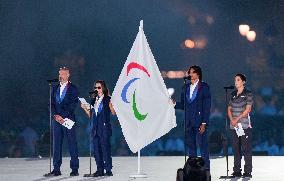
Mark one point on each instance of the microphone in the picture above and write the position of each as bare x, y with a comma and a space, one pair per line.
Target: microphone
93, 92
187, 78
53, 80
229, 87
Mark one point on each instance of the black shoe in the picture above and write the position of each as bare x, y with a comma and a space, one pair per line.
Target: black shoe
236, 174
98, 174
74, 173
53, 173
247, 175
108, 173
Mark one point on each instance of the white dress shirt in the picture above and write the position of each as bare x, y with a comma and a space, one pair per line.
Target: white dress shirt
97, 103
192, 88
62, 87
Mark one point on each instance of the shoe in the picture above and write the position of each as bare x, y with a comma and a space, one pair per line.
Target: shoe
108, 173
53, 173
247, 175
74, 173
236, 174
98, 174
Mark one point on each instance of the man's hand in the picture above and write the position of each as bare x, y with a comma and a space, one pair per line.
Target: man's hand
59, 119
173, 101
202, 128
234, 122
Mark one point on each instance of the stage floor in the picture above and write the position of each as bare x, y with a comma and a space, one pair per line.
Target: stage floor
266, 168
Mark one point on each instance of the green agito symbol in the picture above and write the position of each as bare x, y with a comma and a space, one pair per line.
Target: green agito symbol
138, 115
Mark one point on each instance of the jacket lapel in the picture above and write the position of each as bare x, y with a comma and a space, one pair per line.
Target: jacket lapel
64, 93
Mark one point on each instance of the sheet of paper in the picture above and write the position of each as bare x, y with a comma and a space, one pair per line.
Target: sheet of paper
84, 102
68, 123
239, 130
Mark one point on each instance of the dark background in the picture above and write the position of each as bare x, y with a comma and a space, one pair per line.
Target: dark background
93, 39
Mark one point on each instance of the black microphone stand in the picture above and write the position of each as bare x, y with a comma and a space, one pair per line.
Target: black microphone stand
91, 95
50, 125
184, 122
225, 140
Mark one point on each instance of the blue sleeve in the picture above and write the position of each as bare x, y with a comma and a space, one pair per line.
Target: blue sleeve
206, 104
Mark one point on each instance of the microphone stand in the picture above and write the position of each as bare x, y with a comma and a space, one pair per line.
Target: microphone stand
50, 125
184, 122
225, 140
90, 134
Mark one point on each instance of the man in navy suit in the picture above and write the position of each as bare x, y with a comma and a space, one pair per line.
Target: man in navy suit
63, 103
196, 95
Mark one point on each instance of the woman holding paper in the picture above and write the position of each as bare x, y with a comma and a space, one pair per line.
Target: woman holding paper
100, 113
240, 106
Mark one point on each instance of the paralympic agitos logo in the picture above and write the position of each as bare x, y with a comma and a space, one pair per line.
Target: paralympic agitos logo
130, 66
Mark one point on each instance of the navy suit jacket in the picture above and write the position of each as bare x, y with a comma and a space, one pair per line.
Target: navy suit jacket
101, 122
198, 110
66, 108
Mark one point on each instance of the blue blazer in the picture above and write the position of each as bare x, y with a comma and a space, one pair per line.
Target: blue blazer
101, 121
198, 109
65, 107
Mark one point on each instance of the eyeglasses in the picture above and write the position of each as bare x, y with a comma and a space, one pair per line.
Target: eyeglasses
97, 87
63, 68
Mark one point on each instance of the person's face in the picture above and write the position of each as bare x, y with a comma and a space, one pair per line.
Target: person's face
99, 88
239, 82
193, 75
63, 75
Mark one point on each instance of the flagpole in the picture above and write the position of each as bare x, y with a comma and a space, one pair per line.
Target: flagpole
138, 174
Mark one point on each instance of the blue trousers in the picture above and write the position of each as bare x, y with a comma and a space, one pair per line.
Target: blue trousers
194, 139
102, 153
59, 132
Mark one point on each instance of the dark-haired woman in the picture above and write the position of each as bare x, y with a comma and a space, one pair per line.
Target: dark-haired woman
240, 106
100, 114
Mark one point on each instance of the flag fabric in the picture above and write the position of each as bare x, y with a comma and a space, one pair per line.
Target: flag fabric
140, 97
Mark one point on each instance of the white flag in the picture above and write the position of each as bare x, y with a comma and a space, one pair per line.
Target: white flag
140, 97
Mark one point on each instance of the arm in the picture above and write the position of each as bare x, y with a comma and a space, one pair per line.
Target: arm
230, 114
86, 109
206, 104
111, 108
245, 113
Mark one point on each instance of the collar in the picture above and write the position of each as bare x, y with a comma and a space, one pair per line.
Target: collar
235, 92
195, 83
63, 85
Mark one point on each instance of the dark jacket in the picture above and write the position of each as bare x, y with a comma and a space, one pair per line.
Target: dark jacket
65, 108
101, 122
197, 110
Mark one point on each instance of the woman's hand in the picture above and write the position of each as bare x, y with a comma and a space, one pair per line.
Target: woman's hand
234, 122
111, 108
85, 107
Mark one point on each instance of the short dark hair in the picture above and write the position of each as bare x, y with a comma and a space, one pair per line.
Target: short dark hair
104, 86
197, 70
242, 76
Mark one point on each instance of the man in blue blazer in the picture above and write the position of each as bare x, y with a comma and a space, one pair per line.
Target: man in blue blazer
63, 103
197, 111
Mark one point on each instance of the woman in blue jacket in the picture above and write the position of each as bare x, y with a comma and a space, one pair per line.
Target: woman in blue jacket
100, 113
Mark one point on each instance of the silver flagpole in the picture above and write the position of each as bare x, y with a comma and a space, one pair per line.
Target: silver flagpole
138, 174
